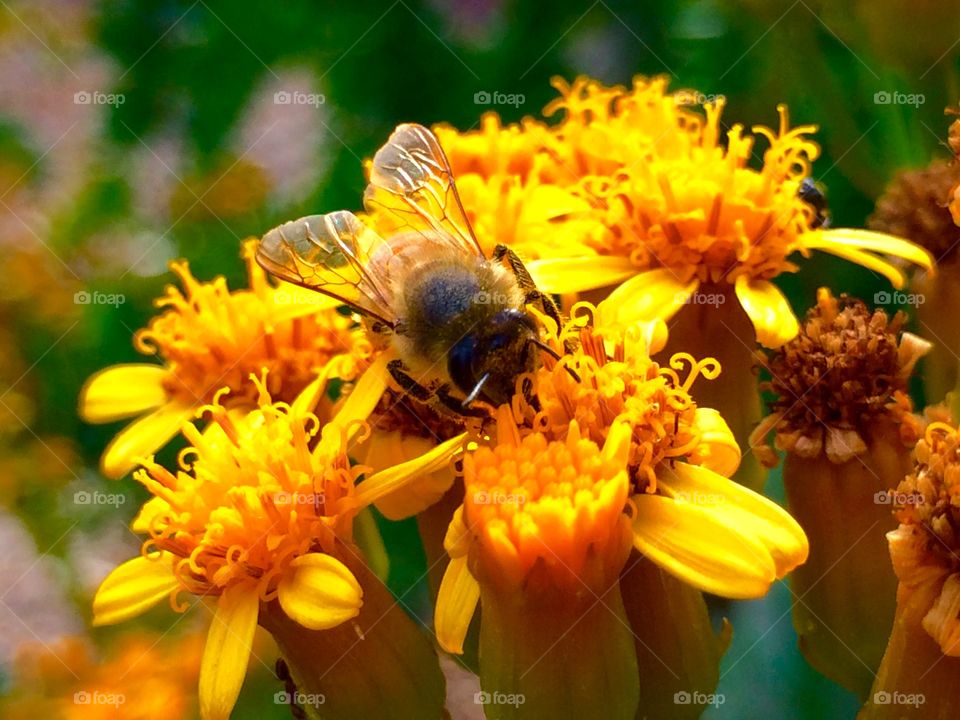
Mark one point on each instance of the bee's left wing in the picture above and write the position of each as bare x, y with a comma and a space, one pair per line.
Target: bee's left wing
331, 254
411, 178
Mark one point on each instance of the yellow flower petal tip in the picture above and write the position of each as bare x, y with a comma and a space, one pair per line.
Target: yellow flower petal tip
319, 592
456, 604
133, 588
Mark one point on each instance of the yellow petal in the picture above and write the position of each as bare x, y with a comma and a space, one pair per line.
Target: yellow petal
576, 274
718, 449
142, 438
456, 603
151, 509
227, 651
856, 245
133, 588
319, 592
650, 295
701, 548
750, 513
768, 310
386, 449
122, 391
310, 396
365, 395
392, 479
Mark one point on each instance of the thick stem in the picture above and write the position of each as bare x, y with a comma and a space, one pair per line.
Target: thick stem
845, 594
723, 331
916, 680
939, 319
678, 653
381, 664
550, 652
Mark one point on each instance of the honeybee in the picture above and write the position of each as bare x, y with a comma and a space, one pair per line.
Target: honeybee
457, 320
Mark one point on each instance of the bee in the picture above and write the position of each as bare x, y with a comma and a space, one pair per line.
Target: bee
457, 320
812, 194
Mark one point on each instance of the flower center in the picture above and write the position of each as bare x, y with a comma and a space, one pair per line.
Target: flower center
210, 338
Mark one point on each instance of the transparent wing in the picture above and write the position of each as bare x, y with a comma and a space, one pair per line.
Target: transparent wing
411, 180
331, 254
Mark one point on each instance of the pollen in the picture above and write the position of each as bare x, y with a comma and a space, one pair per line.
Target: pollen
210, 337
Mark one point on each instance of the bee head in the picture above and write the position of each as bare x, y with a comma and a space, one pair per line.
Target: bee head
486, 363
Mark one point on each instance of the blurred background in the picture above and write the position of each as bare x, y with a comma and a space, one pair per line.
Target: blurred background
133, 133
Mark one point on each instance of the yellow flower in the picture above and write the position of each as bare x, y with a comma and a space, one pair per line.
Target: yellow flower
210, 338
659, 198
613, 453
262, 512
143, 676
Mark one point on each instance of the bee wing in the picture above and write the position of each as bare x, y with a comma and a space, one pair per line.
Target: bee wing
331, 254
411, 178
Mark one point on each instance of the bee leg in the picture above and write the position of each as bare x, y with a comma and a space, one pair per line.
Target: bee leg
532, 294
410, 386
455, 404
526, 387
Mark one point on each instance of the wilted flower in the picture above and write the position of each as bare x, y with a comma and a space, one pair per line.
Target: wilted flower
921, 666
842, 415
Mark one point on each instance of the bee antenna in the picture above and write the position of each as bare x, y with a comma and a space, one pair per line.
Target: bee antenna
556, 356
476, 390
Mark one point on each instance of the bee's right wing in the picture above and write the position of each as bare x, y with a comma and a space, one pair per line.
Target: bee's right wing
411, 179
331, 254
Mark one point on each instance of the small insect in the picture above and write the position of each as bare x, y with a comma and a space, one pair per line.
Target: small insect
812, 194
456, 319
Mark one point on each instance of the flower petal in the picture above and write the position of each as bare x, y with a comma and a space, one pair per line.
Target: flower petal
227, 651
142, 438
856, 245
390, 480
750, 513
319, 592
701, 548
577, 274
365, 395
768, 310
122, 391
650, 295
133, 588
718, 449
456, 603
